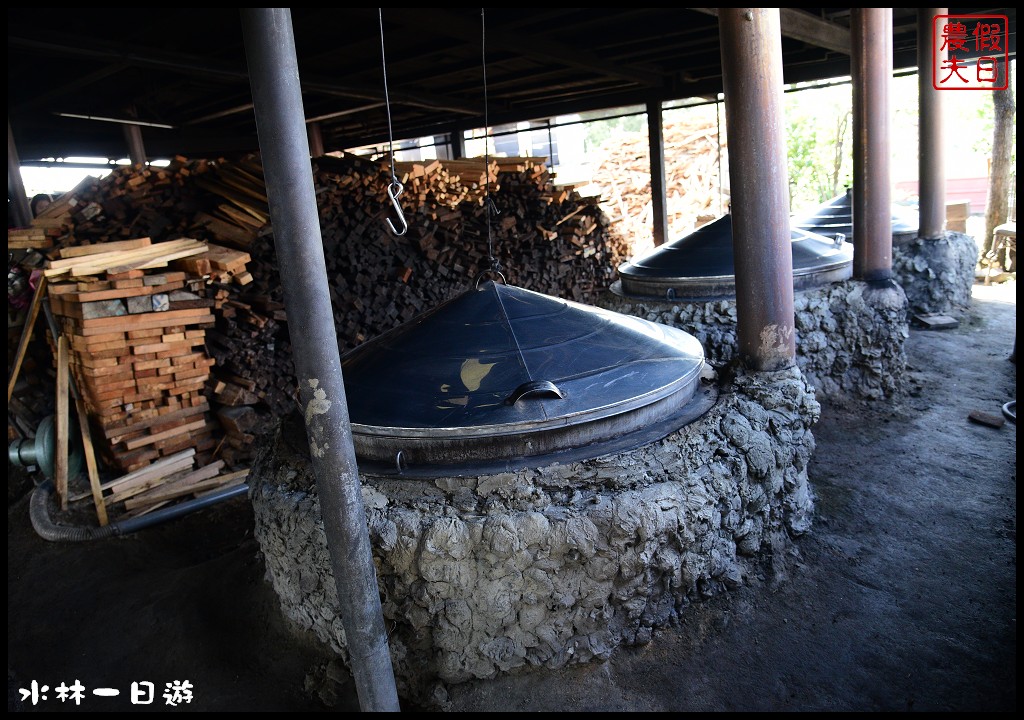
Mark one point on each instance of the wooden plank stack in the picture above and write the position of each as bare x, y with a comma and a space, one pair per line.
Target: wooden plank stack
32, 238
237, 209
445, 182
137, 341
161, 482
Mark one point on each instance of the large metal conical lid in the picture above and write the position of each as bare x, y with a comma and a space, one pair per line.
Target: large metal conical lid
503, 372
834, 218
904, 223
701, 265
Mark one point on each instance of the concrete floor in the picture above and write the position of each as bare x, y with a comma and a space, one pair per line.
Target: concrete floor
903, 596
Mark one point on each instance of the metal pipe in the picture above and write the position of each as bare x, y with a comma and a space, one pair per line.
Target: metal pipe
45, 528
656, 139
109, 165
130, 525
280, 125
119, 121
342, 113
931, 158
316, 140
15, 186
871, 68
136, 150
751, 43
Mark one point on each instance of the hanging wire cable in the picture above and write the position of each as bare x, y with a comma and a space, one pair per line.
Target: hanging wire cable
395, 188
488, 202
489, 205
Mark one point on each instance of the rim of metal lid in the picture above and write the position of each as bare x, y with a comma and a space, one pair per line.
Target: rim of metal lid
652, 371
672, 288
478, 458
431, 455
528, 426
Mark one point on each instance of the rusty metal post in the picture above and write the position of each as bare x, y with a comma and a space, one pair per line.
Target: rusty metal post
751, 43
871, 67
656, 138
280, 125
931, 158
20, 208
136, 150
316, 140
457, 143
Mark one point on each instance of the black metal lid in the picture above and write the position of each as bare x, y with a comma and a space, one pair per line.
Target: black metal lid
701, 265
502, 372
835, 217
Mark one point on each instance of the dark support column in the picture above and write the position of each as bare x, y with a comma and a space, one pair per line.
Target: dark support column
277, 99
931, 158
20, 208
656, 137
316, 140
457, 143
871, 67
136, 150
752, 77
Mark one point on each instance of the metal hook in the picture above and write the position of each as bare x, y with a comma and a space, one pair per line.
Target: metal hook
394, 195
493, 271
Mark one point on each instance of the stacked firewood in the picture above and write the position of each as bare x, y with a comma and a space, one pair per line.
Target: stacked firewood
137, 347
224, 204
696, 177
211, 200
463, 219
542, 237
131, 336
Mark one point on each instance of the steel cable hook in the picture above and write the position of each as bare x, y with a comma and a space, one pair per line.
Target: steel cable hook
394, 192
395, 188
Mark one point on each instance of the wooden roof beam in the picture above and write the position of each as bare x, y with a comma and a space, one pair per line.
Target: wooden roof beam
193, 65
459, 28
801, 25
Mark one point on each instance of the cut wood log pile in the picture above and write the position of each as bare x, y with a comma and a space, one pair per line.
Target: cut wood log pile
160, 483
203, 199
696, 177
137, 356
136, 332
196, 355
547, 239
34, 238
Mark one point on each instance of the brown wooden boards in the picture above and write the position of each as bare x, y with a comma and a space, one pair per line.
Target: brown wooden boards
139, 364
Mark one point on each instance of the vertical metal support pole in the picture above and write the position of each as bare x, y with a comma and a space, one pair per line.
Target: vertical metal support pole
931, 158
15, 186
457, 142
656, 138
718, 160
871, 67
751, 42
316, 140
277, 100
136, 150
